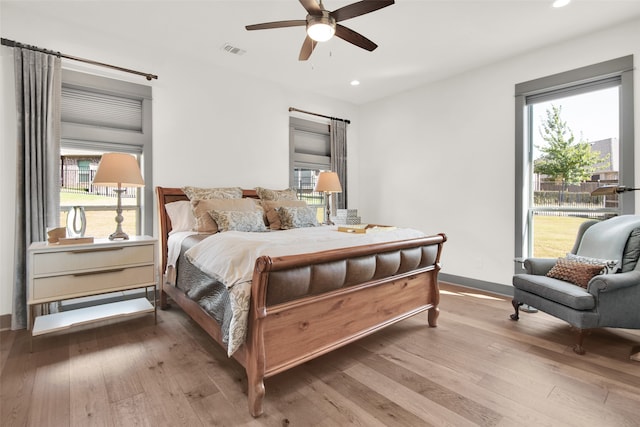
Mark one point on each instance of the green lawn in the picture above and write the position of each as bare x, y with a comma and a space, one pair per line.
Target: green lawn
86, 199
554, 236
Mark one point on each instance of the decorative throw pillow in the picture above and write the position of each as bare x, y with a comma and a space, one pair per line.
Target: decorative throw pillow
610, 266
194, 193
180, 215
206, 224
239, 220
267, 194
270, 210
577, 273
297, 217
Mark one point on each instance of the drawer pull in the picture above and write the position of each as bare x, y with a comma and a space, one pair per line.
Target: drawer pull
84, 251
89, 273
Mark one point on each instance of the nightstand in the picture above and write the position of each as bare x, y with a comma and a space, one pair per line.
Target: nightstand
63, 272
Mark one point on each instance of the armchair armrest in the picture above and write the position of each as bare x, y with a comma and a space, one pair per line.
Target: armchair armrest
539, 266
613, 282
617, 297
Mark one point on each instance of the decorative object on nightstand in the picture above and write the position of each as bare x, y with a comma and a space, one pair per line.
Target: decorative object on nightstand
121, 170
328, 183
76, 221
55, 234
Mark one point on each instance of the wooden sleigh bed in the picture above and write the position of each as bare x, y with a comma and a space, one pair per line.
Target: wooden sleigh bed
286, 332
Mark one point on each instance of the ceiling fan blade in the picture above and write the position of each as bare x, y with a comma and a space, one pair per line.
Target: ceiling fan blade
307, 48
277, 24
359, 8
352, 37
312, 7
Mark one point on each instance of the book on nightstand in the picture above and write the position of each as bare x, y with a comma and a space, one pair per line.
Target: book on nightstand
75, 240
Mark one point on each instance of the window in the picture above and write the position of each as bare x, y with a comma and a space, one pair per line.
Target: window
574, 133
309, 154
102, 115
78, 168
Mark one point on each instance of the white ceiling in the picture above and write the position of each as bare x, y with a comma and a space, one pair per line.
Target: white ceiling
419, 40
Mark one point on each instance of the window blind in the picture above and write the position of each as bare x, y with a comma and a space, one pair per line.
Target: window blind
100, 109
577, 89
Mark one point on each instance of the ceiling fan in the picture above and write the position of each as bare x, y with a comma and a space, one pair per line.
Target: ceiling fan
322, 24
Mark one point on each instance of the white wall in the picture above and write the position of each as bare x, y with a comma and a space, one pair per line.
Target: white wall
211, 127
441, 158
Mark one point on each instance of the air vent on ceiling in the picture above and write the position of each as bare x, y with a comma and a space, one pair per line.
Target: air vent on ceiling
232, 49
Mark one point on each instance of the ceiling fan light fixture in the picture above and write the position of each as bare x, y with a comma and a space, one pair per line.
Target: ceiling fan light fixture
321, 28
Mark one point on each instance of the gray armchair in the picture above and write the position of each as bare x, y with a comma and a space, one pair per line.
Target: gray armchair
609, 300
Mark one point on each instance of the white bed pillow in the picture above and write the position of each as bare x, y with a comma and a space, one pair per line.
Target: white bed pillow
181, 216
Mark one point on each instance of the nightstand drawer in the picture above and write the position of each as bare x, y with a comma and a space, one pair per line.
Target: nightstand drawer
99, 281
88, 258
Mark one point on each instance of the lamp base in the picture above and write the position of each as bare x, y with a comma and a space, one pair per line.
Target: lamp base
327, 210
119, 235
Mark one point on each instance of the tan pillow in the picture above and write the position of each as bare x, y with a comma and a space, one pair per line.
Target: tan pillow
267, 194
201, 208
197, 193
270, 210
578, 273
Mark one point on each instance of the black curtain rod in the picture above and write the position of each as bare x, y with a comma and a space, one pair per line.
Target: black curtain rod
11, 43
319, 115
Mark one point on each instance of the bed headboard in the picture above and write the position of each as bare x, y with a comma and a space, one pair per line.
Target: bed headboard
168, 195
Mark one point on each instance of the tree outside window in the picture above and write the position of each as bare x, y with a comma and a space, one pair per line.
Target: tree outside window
564, 160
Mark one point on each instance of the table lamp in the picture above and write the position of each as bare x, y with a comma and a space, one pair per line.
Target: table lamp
328, 183
118, 170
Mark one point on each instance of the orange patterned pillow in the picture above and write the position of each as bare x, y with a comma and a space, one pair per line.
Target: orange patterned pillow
577, 273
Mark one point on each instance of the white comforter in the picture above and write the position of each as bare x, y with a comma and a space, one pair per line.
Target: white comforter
230, 258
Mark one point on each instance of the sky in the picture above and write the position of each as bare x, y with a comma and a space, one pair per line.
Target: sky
594, 115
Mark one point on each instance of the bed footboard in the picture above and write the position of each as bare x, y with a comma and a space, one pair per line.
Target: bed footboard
304, 306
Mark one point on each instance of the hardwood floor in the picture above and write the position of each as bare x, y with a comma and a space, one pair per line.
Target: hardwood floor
476, 368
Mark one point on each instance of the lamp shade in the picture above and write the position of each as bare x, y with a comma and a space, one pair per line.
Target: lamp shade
118, 168
328, 182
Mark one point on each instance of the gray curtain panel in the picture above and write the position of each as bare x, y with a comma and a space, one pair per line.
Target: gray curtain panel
38, 88
339, 160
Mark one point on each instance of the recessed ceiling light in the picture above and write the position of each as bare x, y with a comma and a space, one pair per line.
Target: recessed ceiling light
561, 3
355, 82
